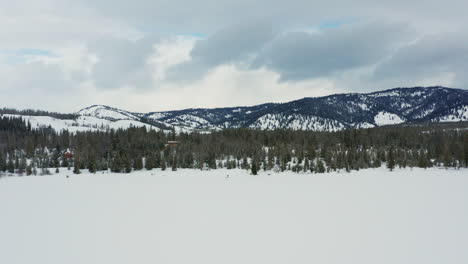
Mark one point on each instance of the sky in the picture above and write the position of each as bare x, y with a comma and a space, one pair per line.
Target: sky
155, 55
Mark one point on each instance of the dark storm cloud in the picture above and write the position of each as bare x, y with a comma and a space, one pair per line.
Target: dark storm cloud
302, 55
236, 44
428, 57
208, 15
296, 55
233, 43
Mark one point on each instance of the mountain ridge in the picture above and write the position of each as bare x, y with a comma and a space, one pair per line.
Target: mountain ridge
327, 113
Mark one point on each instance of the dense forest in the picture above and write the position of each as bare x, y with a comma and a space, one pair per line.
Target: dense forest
27, 151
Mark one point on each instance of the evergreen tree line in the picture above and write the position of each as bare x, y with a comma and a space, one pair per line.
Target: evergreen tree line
32, 112
35, 151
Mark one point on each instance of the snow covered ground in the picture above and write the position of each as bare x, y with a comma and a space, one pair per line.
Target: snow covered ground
385, 118
190, 216
81, 124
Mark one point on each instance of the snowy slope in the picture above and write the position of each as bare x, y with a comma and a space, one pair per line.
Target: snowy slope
105, 112
454, 115
81, 124
332, 113
385, 118
296, 122
328, 113
192, 216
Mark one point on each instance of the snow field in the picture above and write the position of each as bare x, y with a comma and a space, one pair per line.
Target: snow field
192, 216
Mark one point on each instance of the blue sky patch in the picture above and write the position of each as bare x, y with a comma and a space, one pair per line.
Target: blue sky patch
18, 56
333, 24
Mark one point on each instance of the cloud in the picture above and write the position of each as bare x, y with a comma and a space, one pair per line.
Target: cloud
296, 55
207, 16
236, 44
51, 24
147, 55
227, 85
37, 85
429, 57
302, 55
122, 62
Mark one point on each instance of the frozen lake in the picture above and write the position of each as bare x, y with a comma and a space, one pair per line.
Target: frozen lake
190, 216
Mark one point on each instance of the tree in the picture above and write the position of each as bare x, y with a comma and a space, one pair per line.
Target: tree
149, 161
423, 161
447, 158
10, 165
391, 159
56, 157
244, 164
138, 163
92, 164
22, 166
163, 163
127, 163
320, 166
76, 164
29, 170
3, 166
254, 167
465, 146
174, 163
116, 165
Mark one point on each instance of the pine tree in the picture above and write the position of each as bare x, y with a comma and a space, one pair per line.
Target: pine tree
138, 163
102, 165
22, 166
174, 163
423, 160
127, 163
312, 166
29, 170
465, 148
92, 164
447, 158
391, 159
244, 163
320, 166
56, 157
376, 163
270, 162
10, 165
76, 164
157, 160
163, 164
116, 165
254, 168
2, 163
149, 162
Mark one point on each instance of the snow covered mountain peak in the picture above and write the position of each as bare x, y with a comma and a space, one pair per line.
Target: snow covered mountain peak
331, 113
109, 113
328, 113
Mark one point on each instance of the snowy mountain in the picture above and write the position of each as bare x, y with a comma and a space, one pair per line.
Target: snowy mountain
331, 113
81, 123
328, 113
108, 113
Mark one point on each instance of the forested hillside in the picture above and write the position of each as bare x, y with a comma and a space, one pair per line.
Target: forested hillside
327, 113
26, 151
